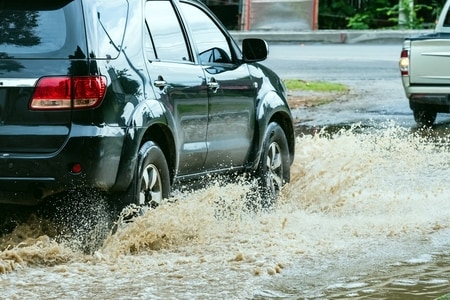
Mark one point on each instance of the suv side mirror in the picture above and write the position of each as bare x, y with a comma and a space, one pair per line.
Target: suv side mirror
254, 50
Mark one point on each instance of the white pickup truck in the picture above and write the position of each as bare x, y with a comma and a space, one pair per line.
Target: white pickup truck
425, 70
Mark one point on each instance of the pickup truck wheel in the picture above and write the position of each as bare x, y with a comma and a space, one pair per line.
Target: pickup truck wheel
274, 165
424, 117
151, 182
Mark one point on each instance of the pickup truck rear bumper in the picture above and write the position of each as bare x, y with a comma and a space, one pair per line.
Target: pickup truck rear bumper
433, 103
431, 99
436, 97
430, 102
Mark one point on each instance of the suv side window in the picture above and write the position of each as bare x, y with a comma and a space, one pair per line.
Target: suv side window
165, 30
211, 43
112, 19
149, 49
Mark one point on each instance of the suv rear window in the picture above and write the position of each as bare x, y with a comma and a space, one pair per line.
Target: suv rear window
35, 29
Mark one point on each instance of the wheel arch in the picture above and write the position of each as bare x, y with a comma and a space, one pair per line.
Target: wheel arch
272, 108
156, 126
286, 123
164, 138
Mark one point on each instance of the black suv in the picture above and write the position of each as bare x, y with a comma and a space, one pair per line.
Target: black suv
131, 97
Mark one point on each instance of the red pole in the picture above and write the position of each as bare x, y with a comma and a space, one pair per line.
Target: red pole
247, 15
315, 17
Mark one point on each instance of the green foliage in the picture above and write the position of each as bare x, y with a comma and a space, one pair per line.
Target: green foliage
358, 21
373, 14
332, 14
410, 20
444, 297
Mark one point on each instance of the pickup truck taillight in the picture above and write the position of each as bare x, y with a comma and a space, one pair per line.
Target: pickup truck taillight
404, 62
66, 92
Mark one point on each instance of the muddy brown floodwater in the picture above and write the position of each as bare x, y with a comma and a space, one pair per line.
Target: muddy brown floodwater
365, 216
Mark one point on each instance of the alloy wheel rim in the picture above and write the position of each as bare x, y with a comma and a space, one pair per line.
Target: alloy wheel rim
274, 178
150, 192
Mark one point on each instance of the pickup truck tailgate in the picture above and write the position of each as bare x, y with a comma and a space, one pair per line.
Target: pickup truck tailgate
430, 61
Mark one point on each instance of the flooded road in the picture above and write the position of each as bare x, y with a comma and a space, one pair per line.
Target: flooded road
365, 216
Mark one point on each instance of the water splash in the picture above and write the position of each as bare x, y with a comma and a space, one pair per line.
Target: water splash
354, 199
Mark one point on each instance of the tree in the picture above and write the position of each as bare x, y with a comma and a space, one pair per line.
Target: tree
406, 13
373, 14
354, 14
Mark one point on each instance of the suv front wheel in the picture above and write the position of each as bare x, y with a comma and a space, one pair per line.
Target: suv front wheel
274, 166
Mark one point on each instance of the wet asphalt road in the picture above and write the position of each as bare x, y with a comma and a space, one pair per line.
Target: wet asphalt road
370, 70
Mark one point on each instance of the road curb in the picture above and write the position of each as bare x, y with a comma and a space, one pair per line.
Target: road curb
330, 36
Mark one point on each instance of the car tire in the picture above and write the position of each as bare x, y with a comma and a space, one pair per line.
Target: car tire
151, 182
149, 186
424, 118
274, 165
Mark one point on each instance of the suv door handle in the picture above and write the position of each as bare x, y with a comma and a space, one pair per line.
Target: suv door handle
213, 85
160, 82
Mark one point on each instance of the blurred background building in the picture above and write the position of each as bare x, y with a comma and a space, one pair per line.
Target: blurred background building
266, 14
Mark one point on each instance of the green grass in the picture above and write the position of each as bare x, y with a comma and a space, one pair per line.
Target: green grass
315, 86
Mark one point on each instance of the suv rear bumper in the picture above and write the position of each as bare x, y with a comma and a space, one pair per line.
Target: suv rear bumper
29, 178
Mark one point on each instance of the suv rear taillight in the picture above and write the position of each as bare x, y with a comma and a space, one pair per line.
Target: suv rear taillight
404, 62
65, 92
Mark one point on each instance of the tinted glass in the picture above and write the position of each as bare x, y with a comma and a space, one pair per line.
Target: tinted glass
166, 32
34, 29
211, 42
148, 45
447, 19
111, 17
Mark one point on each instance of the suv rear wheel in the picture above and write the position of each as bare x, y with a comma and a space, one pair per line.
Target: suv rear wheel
151, 183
